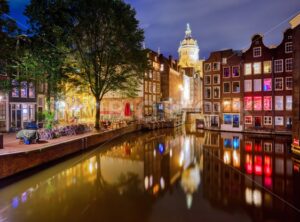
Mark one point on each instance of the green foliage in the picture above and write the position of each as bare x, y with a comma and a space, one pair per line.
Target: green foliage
49, 119
41, 116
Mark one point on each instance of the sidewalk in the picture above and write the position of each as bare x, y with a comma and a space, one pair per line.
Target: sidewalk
11, 144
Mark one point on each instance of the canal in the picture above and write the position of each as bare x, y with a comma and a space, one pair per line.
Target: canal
166, 175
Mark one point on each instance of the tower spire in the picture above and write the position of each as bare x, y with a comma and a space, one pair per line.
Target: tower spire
188, 32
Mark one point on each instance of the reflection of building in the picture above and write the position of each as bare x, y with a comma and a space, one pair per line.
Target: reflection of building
243, 168
191, 67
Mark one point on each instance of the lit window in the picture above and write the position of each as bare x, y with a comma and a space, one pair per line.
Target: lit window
216, 107
267, 67
226, 72
224, 60
162, 68
15, 89
278, 102
257, 85
216, 79
236, 105
236, 87
207, 67
31, 90
248, 85
216, 66
24, 89
268, 146
289, 103
227, 105
257, 103
216, 92
235, 71
207, 94
278, 66
257, 68
207, 107
207, 80
289, 65
267, 120
288, 47
248, 120
289, 121
289, 83
146, 86
279, 121
248, 103
248, 69
227, 119
267, 103
267, 85
278, 84
226, 87
257, 52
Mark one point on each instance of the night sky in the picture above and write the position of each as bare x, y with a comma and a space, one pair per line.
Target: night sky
216, 24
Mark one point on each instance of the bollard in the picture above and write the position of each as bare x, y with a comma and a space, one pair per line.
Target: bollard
1, 141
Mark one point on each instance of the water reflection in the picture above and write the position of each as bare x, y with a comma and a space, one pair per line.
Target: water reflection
168, 175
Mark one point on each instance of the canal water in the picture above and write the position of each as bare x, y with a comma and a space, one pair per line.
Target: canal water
167, 175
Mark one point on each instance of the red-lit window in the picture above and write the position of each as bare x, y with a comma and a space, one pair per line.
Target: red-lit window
248, 146
258, 165
248, 120
248, 164
267, 85
267, 102
268, 182
248, 103
257, 146
268, 166
257, 103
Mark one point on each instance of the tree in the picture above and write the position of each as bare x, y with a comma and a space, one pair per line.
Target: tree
8, 30
105, 41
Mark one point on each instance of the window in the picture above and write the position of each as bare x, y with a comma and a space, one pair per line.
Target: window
257, 103
278, 84
257, 85
216, 92
289, 65
227, 119
162, 68
289, 83
207, 107
257, 68
268, 146
207, 94
236, 87
235, 71
289, 103
15, 91
226, 87
227, 105
267, 103
31, 90
267, 67
278, 66
207, 67
256, 52
24, 89
224, 60
288, 47
248, 103
248, 69
248, 120
146, 86
216, 66
226, 72
2, 110
216, 79
267, 85
216, 107
248, 85
278, 102
236, 105
207, 80
267, 120
279, 121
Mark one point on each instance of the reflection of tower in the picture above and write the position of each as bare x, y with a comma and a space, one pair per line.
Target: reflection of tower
191, 67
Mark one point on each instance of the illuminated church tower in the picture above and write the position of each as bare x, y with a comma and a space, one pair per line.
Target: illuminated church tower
191, 68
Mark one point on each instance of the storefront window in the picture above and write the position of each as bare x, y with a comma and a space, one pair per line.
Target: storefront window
278, 102
267, 85
248, 103
257, 103
267, 102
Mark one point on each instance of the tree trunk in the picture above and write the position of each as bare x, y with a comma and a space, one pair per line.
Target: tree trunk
97, 119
